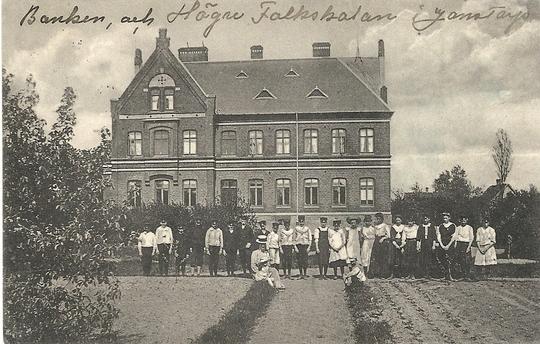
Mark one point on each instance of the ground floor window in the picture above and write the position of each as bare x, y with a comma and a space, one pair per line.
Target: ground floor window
190, 192
134, 197
162, 191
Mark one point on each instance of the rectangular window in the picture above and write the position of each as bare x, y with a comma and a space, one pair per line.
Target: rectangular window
338, 141
311, 191
228, 143
135, 143
256, 192
229, 191
162, 191
155, 99
255, 142
339, 186
366, 140
161, 142
190, 192
283, 142
311, 141
367, 191
169, 99
134, 197
190, 142
283, 192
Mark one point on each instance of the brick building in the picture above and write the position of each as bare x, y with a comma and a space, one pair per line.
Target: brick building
292, 136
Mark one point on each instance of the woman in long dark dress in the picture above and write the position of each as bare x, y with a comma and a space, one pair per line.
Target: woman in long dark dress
322, 247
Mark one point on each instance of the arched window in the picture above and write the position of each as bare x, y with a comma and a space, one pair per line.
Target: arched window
311, 141
366, 140
190, 192
161, 142
162, 191
190, 142
367, 191
256, 192
283, 141
228, 143
283, 192
338, 141
134, 143
255, 142
229, 191
161, 92
134, 197
339, 188
311, 191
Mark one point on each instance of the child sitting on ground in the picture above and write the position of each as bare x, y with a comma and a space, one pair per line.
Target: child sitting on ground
356, 275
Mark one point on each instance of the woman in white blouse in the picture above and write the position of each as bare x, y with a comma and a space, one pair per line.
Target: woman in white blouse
486, 256
338, 250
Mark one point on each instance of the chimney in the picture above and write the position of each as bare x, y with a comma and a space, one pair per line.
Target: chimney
162, 41
256, 52
193, 54
384, 94
321, 49
381, 63
498, 181
138, 60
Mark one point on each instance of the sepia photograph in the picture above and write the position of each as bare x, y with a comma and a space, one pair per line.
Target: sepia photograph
271, 171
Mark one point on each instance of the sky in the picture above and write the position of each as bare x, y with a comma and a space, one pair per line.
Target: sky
451, 85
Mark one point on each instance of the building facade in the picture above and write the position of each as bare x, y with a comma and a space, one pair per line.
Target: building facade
304, 136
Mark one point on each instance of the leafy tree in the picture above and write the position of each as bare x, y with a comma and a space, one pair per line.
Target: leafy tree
57, 230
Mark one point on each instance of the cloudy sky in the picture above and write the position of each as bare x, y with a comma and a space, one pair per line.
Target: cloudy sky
451, 86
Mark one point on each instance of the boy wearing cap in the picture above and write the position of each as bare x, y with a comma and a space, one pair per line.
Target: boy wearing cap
273, 244
213, 243
147, 248
231, 240
426, 238
164, 240
322, 247
287, 246
303, 243
260, 265
181, 250
198, 235
246, 241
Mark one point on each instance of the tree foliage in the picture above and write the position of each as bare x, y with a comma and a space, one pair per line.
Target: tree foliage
57, 230
501, 152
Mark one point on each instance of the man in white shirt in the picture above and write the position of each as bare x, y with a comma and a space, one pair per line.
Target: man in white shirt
303, 243
164, 240
147, 248
213, 243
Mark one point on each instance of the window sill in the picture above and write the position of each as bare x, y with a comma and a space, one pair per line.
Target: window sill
283, 207
311, 206
339, 206
367, 205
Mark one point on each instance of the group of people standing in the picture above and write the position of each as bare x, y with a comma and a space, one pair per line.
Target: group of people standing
367, 247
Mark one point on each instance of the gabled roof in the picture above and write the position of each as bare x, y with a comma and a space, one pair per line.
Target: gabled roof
349, 88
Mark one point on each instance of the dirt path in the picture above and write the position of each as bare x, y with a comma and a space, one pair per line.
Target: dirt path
434, 311
309, 311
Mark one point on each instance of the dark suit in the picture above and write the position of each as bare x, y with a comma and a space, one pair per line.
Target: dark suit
246, 237
231, 244
426, 257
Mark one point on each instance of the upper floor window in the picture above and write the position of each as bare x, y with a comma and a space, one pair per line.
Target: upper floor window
339, 186
367, 191
311, 141
161, 92
190, 142
229, 191
134, 197
228, 143
256, 192
283, 192
135, 143
162, 191
338, 141
161, 142
283, 141
366, 140
255, 142
311, 191
189, 187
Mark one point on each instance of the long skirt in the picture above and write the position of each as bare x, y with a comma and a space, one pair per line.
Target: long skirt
274, 256
489, 258
410, 260
365, 255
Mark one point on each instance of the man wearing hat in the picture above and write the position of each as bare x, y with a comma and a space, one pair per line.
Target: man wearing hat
231, 241
246, 242
181, 250
322, 247
198, 235
303, 243
164, 240
147, 248
213, 244
260, 265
